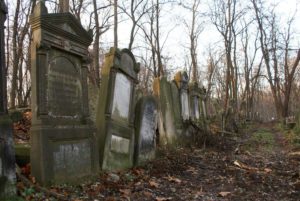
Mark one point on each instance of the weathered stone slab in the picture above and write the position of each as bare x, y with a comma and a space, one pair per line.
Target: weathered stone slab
63, 138
7, 159
146, 125
7, 152
115, 110
162, 89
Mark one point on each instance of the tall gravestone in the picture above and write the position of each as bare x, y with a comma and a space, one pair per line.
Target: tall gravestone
115, 112
181, 80
194, 101
198, 105
7, 153
162, 90
145, 130
63, 139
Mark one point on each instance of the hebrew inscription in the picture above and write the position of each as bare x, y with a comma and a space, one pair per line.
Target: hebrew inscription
64, 88
72, 158
119, 144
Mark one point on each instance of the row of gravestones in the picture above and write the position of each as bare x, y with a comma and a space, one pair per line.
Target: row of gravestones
65, 144
181, 104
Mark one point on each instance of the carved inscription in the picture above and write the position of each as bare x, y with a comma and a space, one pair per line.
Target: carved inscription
122, 97
64, 88
71, 158
119, 144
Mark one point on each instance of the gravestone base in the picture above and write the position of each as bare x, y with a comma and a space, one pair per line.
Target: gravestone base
7, 159
118, 149
62, 154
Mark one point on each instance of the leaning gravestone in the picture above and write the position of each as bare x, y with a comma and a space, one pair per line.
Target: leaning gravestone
7, 153
162, 90
63, 145
145, 135
115, 112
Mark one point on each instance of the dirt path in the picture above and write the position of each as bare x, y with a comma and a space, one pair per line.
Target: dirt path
259, 169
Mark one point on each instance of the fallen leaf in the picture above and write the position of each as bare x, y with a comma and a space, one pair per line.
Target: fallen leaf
237, 164
162, 198
125, 191
267, 170
224, 193
173, 179
153, 184
147, 194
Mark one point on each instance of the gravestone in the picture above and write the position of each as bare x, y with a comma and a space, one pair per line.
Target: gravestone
115, 110
145, 131
198, 105
195, 101
63, 139
162, 90
181, 80
7, 153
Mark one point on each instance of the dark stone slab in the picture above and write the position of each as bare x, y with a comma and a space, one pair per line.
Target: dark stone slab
146, 125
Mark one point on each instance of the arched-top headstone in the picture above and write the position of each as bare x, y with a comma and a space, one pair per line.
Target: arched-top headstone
115, 112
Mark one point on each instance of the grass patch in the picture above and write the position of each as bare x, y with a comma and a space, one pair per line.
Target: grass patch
262, 139
292, 137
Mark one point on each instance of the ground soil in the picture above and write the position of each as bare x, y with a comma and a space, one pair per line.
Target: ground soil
236, 167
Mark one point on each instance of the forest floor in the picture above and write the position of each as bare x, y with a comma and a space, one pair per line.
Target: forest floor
261, 163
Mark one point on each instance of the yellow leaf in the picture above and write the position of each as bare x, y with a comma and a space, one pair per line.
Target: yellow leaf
267, 170
125, 191
153, 184
224, 193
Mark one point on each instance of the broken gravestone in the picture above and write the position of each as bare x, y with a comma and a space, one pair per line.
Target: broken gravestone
162, 90
145, 132
115, 110
63, 145
7, 153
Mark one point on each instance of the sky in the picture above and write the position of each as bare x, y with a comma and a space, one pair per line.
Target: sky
174, 35
176, 42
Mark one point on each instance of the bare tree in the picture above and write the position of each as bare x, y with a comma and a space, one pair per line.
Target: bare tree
195, 27
224, 15
136, 11
20, 35
100, 27
116, 23
280, 69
